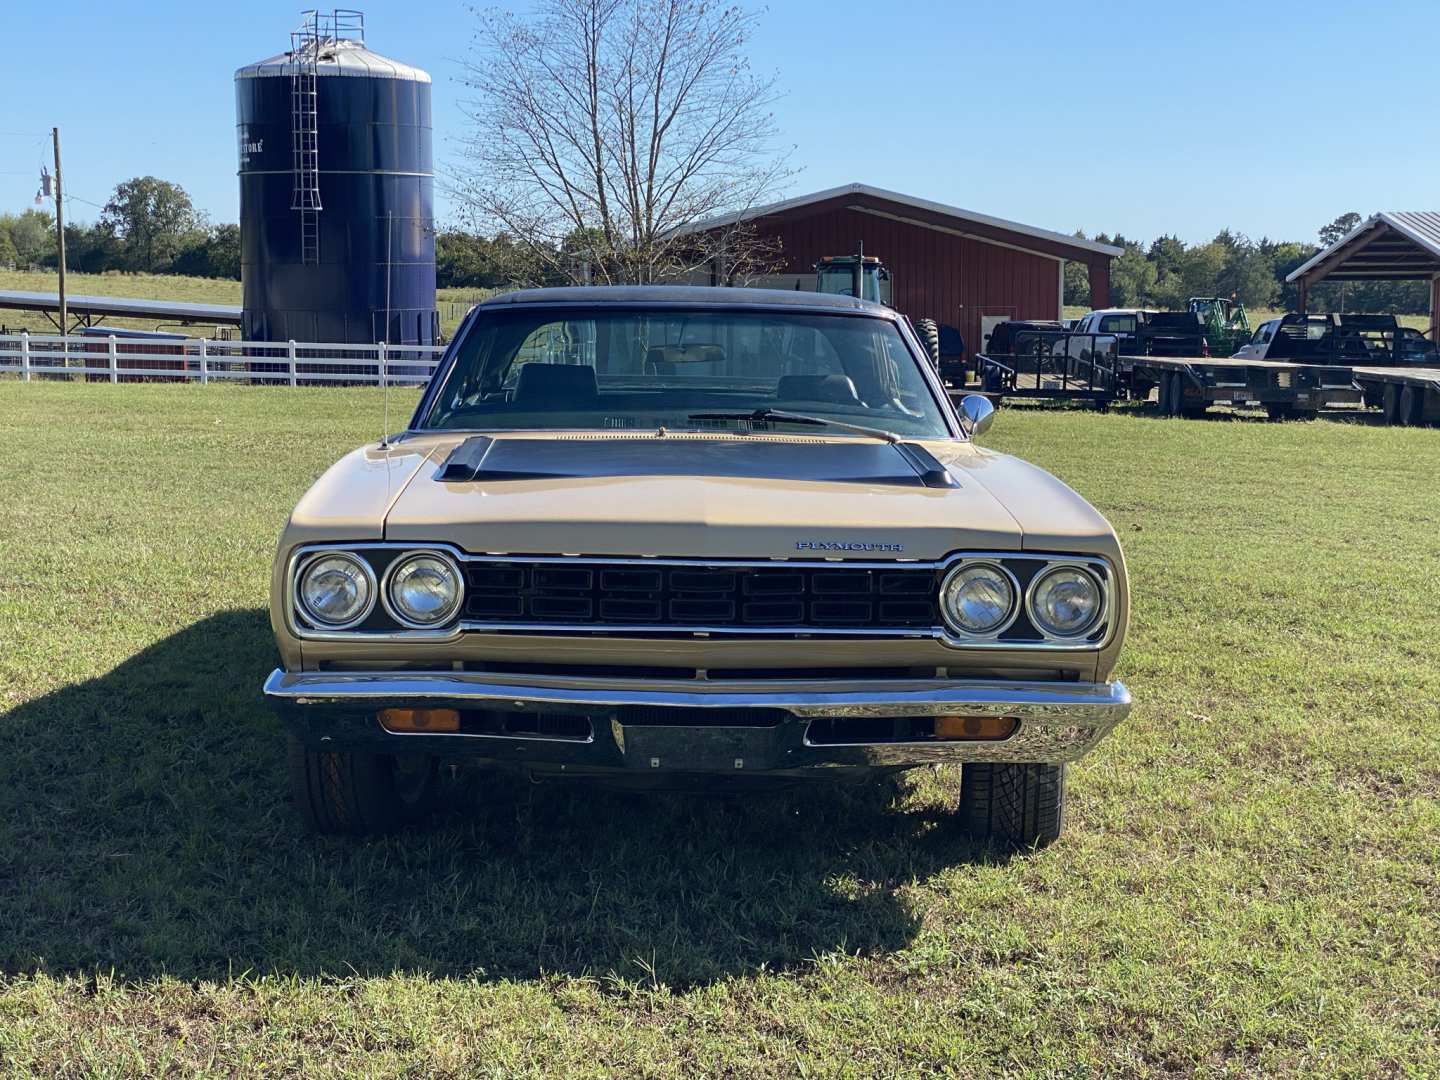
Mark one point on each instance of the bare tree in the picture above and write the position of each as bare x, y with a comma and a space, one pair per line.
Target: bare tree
605, 131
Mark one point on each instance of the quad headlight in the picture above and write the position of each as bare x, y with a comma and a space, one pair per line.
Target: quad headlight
424, 590
978, 599
1065, 602
336, 591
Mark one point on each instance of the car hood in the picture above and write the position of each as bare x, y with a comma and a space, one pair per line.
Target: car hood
698, 496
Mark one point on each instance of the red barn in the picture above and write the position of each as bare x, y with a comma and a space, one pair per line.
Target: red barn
960, 268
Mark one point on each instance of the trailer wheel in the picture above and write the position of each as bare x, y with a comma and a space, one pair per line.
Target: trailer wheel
1391, 404
1163, 397
928, 331
1280, 410
1411, 405
1177, 394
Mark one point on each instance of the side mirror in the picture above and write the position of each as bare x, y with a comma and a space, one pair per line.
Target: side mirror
976, 415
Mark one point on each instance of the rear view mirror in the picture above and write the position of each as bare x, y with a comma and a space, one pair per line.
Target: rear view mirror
976, 415
685, 354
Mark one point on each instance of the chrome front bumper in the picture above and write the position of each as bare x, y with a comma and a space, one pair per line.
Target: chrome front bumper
1056, 721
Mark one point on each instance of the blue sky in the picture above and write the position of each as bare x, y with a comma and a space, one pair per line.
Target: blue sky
1267, 117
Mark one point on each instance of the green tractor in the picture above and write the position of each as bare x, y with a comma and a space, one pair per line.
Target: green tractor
867, 278
1227, 329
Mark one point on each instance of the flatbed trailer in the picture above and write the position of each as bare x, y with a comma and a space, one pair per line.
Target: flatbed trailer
1409, 396
1189, 385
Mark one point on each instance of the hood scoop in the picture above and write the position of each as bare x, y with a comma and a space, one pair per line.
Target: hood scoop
481, 459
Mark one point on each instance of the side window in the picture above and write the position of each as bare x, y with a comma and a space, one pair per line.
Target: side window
559, 343
1118, 324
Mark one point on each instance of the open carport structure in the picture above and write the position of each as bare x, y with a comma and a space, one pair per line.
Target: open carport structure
1394, 245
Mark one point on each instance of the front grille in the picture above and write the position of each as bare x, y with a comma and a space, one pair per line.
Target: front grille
664, 596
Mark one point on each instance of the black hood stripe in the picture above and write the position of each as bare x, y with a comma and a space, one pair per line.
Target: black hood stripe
481, 459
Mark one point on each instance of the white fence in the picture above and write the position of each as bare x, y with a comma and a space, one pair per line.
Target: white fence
122, 359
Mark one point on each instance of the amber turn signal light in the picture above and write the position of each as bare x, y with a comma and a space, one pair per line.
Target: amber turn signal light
424, 720
974, 727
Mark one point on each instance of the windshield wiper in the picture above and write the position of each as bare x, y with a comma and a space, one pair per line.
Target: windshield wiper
759, 415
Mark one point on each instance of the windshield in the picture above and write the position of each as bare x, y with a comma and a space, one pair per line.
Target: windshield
564, 369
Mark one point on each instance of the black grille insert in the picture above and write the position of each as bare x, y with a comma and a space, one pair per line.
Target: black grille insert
664, 596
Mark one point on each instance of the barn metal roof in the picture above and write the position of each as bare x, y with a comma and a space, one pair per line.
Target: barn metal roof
1393, 245
912, 202
165, 310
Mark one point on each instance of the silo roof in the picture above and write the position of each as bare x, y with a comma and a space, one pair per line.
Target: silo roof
342, 57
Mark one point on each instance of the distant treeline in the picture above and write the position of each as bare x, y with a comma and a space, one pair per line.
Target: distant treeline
150, 226
1168, 272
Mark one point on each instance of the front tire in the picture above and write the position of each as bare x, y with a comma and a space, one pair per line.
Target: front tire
357, 793
1012, 805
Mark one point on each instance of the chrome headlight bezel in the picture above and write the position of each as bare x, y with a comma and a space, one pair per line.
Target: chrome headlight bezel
310, 565
1096, 619
965, 566
397, 612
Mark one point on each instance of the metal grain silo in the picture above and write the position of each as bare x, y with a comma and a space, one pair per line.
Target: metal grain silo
336, 191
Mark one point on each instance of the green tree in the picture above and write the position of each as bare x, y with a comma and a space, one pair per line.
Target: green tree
1077, 283
154, 220
215, 254
1201, 269
32, 233
1338, 228
9, 257
1248, 275
90, 249
1285, 257
1132, 278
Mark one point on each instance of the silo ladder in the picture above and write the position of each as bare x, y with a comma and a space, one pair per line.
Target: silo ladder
304, 137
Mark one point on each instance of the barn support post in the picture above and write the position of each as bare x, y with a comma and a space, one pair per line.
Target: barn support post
1100, 283
1435, 308
1303, 299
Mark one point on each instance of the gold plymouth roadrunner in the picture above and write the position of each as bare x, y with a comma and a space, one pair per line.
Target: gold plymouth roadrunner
669, 534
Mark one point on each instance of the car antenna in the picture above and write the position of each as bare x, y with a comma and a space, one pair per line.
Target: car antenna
385, 338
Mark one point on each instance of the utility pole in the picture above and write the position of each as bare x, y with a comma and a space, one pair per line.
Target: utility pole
60, 228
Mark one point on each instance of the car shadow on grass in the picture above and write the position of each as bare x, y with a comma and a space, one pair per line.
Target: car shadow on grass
146, 829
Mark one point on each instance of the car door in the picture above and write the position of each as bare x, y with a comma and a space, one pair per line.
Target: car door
1077, 345
1259, 342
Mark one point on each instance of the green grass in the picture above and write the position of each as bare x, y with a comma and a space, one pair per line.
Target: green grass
1248, 882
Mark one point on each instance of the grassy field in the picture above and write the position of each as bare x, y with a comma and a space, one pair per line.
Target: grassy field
453, 303
1248, 884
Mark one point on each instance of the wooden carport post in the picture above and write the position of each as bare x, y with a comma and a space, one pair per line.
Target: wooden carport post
1100, 283
1435, 308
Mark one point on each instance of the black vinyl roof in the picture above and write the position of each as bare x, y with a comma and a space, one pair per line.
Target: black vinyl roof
689, 296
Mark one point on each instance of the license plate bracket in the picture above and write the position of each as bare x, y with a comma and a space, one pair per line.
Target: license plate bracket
699, 749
